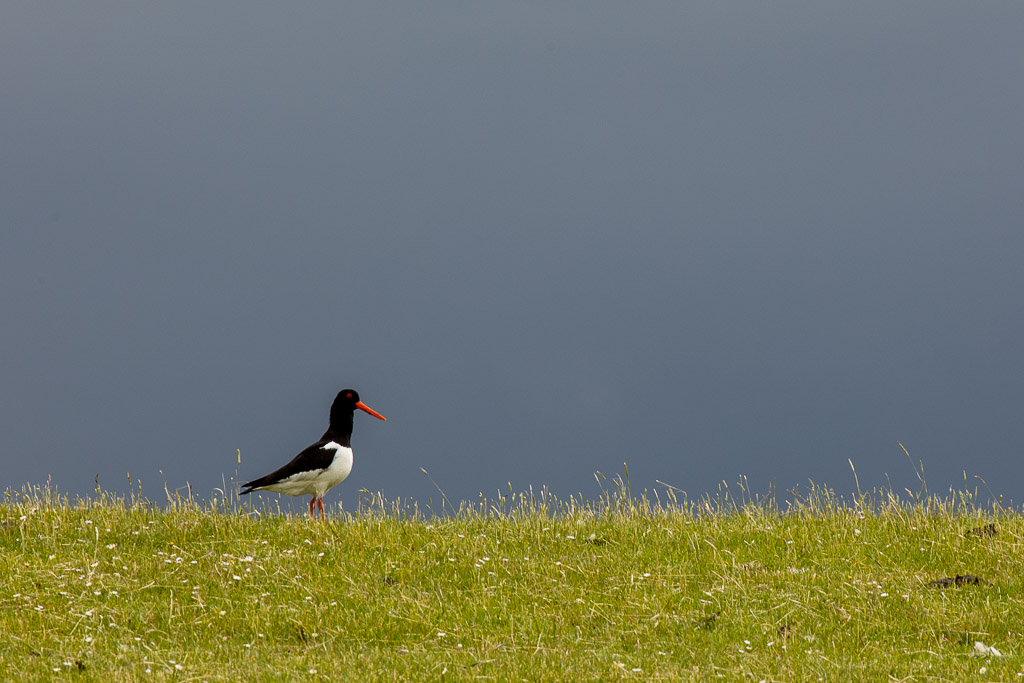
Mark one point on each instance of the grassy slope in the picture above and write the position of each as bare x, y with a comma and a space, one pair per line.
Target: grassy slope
623, 590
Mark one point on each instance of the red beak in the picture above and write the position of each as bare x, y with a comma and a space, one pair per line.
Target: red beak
367, 409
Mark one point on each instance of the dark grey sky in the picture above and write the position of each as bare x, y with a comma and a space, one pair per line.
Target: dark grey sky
707, 239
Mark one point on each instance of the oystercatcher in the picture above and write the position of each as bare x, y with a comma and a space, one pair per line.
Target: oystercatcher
322, 465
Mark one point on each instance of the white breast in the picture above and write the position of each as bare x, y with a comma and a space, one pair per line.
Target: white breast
340, 467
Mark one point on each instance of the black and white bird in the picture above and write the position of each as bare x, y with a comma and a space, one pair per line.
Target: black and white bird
323, 464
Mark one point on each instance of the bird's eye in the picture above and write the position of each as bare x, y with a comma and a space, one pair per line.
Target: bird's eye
348, 395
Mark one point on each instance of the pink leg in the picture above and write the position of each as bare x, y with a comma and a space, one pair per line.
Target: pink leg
311, 504
320, 505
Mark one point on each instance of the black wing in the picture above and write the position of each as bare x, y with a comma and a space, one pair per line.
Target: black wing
311, 459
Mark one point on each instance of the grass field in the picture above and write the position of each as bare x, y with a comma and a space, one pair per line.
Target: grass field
517, 588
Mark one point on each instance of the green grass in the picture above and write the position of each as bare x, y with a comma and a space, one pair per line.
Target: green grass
521, 587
